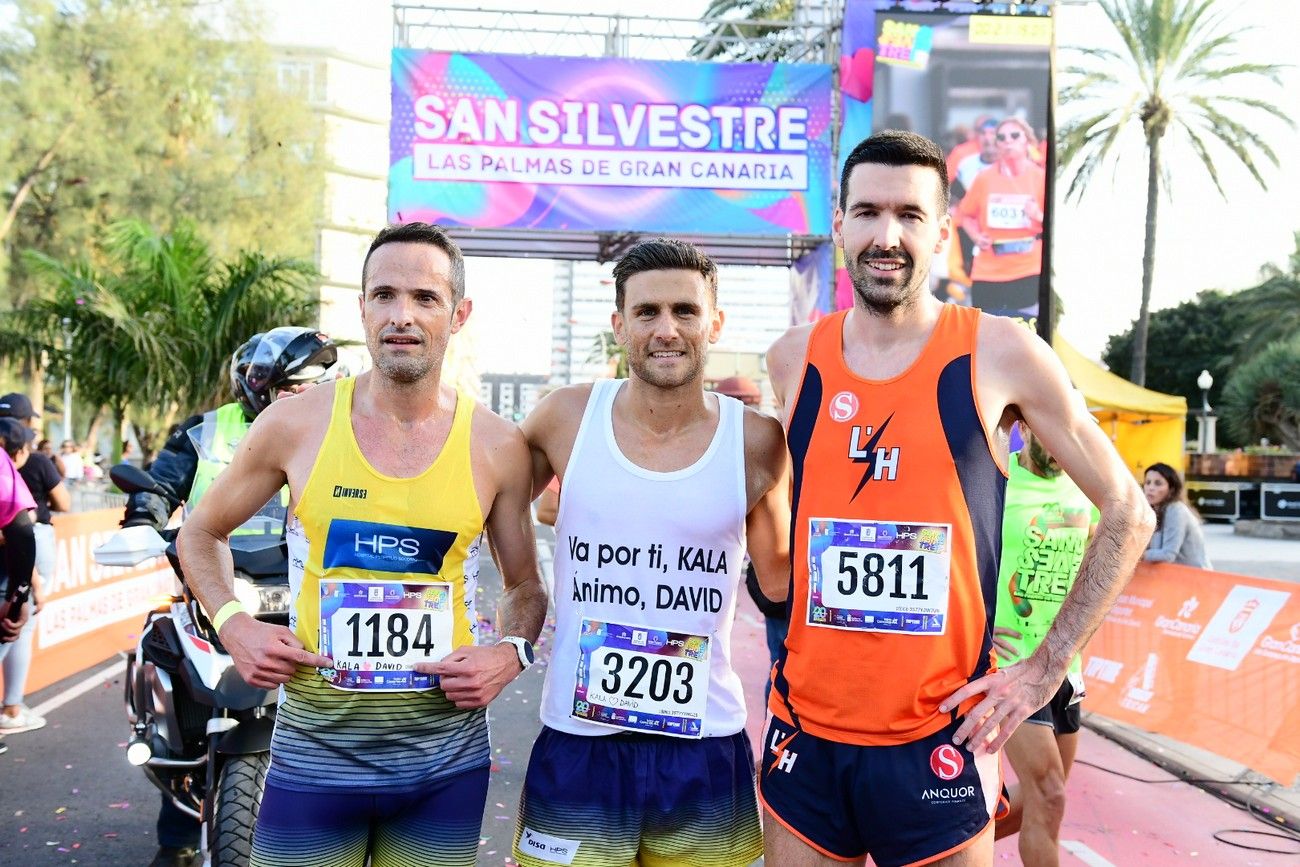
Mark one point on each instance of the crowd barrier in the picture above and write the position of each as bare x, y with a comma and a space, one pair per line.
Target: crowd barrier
1208, 658
90, 612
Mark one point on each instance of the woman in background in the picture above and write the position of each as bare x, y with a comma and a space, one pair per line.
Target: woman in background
1178, 537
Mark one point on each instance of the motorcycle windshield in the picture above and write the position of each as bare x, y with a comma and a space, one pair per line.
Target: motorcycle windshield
215, 443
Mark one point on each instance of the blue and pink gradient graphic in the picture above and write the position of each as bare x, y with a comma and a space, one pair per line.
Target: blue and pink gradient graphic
577, 206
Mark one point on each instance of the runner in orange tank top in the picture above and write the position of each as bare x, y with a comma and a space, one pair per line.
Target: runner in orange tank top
888, 711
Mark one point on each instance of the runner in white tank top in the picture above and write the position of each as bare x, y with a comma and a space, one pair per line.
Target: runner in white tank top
645, 598
643, 756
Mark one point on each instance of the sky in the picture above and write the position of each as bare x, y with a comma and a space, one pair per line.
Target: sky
1203, 241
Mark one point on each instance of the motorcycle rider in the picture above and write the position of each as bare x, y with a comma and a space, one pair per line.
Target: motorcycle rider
279, 362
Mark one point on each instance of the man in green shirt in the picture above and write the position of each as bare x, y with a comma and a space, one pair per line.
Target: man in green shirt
1045, 528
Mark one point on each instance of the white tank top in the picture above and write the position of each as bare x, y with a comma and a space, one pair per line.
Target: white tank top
646, 570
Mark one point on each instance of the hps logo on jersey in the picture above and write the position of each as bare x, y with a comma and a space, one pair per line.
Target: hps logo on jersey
386, 547
843, 406
865, 448
946, 761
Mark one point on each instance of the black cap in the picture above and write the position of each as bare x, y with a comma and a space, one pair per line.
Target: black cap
14, 434
15, 405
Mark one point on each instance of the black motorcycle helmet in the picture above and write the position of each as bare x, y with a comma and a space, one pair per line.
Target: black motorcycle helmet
279, 358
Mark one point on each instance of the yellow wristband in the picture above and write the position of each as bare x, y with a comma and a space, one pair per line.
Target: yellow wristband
229, 610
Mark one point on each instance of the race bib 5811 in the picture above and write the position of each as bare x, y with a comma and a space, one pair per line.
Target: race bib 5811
879, 576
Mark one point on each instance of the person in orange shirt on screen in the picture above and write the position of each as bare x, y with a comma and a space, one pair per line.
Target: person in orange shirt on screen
1003, 213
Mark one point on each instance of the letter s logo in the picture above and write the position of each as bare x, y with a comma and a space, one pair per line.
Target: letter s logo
946, 762
843, 406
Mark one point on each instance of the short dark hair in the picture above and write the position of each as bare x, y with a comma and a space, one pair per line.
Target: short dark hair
664, 254
422, 233
893, 147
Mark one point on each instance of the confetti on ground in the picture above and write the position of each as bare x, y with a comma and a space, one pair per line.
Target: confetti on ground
120, 805
60, 810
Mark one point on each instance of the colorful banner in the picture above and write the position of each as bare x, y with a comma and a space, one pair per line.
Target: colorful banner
90, 612
608, 144
1208, 658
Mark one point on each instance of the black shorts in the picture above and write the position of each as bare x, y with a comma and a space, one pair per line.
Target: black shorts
1063, 713
903, 804
1009, 298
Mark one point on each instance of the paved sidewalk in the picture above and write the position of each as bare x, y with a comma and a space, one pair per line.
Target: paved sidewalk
1234, 781
1229, 551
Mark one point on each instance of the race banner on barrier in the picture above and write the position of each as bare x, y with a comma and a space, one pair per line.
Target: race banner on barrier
1208, 658
610, 144
90, 612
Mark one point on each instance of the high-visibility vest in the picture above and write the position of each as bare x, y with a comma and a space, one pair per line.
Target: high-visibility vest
218, 436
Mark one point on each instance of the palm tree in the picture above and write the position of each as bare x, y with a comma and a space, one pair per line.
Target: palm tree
152, 329
1171, 76
1270, 312
607, 350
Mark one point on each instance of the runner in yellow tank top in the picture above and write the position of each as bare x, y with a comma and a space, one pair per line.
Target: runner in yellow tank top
380, 750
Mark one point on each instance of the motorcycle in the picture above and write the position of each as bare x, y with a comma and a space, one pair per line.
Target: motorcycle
199, 732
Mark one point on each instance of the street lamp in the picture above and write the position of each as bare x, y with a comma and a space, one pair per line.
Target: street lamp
1205, 382
1206, 420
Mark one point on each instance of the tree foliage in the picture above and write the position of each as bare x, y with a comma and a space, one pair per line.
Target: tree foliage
748, 30
154, 110
1178, 73
1262, 398
1271, 310
152, 328
1201, 334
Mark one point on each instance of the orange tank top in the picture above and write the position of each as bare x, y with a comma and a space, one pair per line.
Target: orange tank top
896, 529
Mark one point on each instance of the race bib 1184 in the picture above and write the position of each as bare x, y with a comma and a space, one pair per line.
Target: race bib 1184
879, 576
640, 679
375, 631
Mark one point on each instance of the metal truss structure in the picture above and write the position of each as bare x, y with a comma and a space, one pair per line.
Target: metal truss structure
811, 37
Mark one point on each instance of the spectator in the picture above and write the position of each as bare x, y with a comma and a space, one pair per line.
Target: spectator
1178, 537
46, 448
1003, 213
45, 483
16, 505
74, 468
974, 163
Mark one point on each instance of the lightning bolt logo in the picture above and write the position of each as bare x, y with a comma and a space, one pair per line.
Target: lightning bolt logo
870, 459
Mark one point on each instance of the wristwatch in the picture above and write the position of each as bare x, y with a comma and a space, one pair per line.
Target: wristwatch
523, 647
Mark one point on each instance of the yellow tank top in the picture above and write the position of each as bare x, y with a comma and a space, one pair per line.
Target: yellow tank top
382, 570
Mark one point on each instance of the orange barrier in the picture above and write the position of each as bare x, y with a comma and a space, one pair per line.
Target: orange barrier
90, 612
1208, 658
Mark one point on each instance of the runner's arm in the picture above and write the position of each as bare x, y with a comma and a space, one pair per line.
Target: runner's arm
767, 526
514, 546
473, 675
1023, 371
265, 654
784, 366
553, 421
